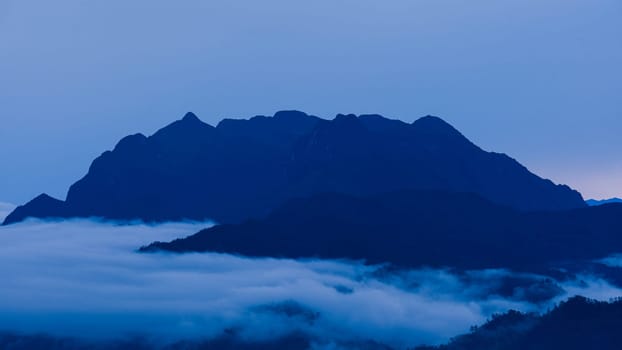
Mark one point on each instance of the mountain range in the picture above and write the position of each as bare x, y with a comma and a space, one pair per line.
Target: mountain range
355, 187
413, 229
243, 169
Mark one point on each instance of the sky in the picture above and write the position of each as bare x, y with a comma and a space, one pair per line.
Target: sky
540, 80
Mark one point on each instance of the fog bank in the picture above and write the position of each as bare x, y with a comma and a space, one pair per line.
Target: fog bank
84, 279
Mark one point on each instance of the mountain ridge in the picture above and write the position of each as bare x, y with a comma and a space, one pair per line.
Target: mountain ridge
413, 229
575, 324
596, 202
242, 169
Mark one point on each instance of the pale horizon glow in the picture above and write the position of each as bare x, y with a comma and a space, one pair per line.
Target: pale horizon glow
5, 210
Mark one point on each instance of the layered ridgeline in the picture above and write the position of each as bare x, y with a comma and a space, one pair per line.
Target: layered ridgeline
576, 324
415, 228
243, 169
595, 202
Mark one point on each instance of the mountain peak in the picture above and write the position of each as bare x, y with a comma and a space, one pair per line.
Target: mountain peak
435, 125
290, 114
432, 121
190, 117
43, 197
42, 206
189, 127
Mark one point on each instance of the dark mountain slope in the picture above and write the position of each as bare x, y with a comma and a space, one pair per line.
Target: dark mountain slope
41, 206
244, 168
576, 324
413, 228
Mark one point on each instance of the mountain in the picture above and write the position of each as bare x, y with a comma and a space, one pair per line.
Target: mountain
576, 324
415, 228
594, 202
243, 169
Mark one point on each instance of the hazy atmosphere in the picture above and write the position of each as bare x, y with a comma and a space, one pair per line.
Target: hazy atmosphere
320, 175
539, 80
84, 278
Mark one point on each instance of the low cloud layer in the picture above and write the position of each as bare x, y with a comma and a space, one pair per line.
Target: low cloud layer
84, 278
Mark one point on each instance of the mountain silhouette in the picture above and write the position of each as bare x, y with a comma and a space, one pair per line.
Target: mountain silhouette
243, 169
595, 202
576, 324
414, 229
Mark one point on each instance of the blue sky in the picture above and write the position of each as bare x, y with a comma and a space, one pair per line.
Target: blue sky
540, 80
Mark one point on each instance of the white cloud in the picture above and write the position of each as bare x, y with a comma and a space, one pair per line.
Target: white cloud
613, 260
82, 277
591, 287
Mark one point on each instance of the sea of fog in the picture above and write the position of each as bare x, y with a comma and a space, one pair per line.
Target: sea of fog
84, 279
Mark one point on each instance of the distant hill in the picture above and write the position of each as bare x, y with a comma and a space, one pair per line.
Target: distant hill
576, 324
413, 229
594, 202
242, 169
